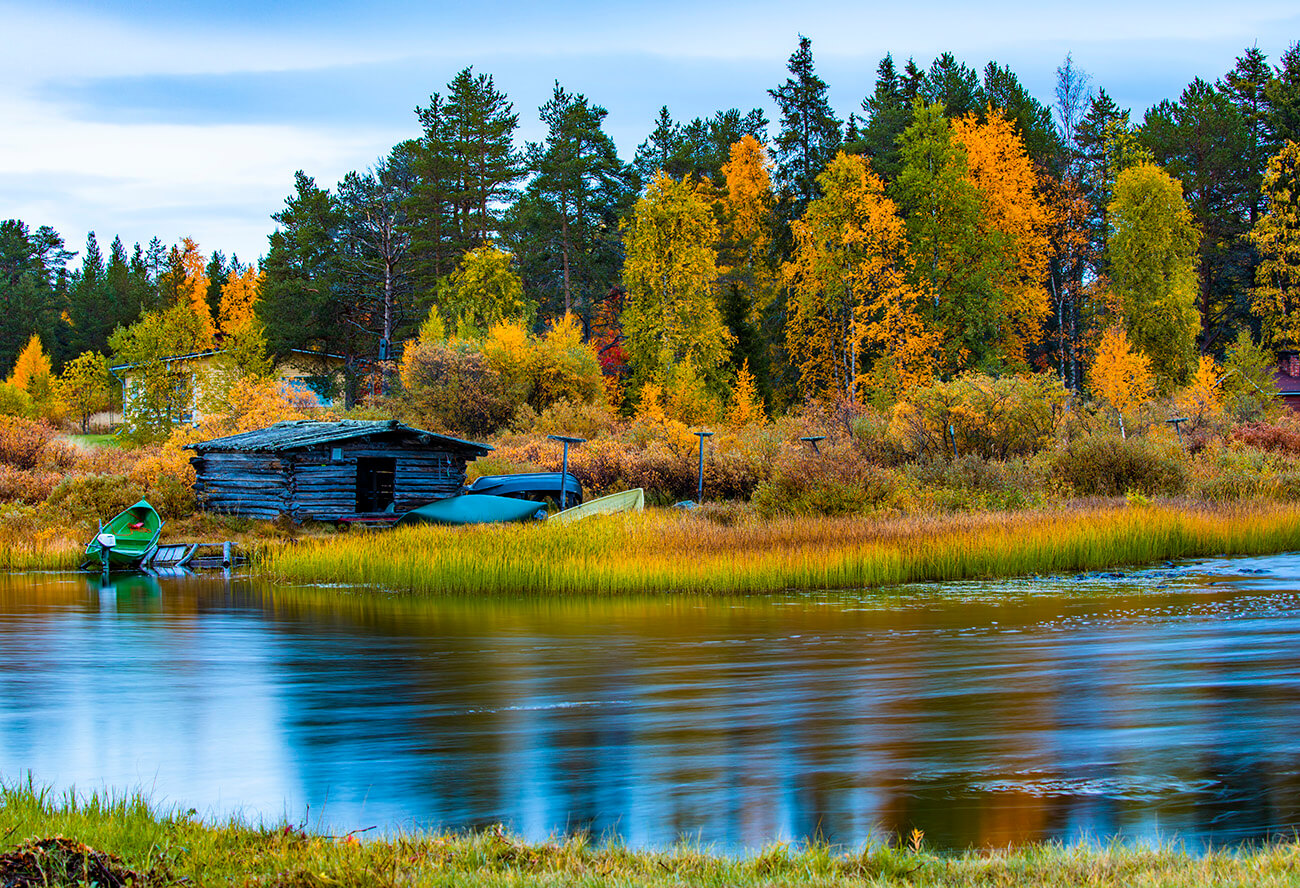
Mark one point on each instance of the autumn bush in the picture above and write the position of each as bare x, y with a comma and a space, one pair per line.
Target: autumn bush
1282, 436
23, 442
972, 483
452, 387
837, 481
1237, 472
30, 486
85, 499
1105, 465
992, 417
14, 401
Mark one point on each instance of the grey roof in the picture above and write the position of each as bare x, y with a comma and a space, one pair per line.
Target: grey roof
309, 433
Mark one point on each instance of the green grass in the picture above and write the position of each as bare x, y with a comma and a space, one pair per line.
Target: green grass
175, 848
667, 552
96, 440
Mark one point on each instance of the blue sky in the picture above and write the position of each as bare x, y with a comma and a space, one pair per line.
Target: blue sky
189, 118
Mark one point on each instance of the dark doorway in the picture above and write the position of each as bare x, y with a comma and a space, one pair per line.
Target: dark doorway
375, 476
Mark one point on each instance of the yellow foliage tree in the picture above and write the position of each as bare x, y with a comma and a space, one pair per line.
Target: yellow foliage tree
32, 369
1202, 399
670, 314
244, 339
851, 308
83, 387
746, 407
1120, 376
1276, 296
484, 289
745, 205
1013, 208
239, 295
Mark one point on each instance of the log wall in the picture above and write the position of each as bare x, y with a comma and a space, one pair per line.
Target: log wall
309, 484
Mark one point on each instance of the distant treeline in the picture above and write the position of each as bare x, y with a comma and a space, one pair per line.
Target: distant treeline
955, 223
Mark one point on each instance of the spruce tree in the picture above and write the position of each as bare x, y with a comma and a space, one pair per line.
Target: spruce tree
889, 112
1283, 94
953, 85
810, 133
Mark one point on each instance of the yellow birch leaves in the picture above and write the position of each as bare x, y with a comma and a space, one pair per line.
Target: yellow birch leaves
852, 313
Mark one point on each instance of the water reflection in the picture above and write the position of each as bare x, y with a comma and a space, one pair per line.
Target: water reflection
1160, 706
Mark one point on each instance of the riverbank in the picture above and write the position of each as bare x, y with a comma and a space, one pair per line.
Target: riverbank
663, 551
126, 841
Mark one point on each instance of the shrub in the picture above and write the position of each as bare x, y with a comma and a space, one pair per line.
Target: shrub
991, 417
23, 441
835, 482
18, 486
1103, 465
14, 401
84, 499
1280, 437
581, 418
451, 386
167, 477
972, 483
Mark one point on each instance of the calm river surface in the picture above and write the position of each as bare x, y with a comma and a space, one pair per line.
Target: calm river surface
1165, 704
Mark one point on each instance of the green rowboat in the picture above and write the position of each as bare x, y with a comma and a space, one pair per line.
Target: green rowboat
624, 501
473, 509
132, 536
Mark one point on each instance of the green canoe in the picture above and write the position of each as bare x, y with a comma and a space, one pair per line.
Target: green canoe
473, 509
624, 501
135, 536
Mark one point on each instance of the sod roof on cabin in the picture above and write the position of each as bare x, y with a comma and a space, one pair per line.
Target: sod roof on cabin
310, 433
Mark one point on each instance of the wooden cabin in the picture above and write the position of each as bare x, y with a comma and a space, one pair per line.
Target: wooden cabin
329, 471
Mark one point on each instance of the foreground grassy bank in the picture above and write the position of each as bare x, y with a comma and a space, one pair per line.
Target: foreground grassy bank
665, 551
125, 841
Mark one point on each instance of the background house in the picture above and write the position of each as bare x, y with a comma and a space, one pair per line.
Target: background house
195, 379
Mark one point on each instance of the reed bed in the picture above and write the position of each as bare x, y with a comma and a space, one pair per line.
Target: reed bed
669, 552
132, 842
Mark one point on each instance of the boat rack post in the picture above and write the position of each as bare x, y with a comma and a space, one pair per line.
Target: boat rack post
699, 495
564, 471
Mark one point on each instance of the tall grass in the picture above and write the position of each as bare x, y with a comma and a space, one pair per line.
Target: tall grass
660, 552
174, 848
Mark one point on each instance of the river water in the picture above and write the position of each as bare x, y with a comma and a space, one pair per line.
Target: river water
1160, 705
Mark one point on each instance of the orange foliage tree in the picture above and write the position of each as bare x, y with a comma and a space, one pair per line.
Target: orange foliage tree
187, 280
997, 164
1120, 376
851, 309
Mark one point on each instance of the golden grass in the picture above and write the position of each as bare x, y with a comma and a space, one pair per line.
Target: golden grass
669, 552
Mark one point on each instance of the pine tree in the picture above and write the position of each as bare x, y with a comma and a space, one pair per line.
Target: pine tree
89, 304
1283, 94
810, 132
374, 281
953, 85
665, 149
1246, 86
1003, 92
481, 123
564, 229
1202, 141
301, 305
435, 241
